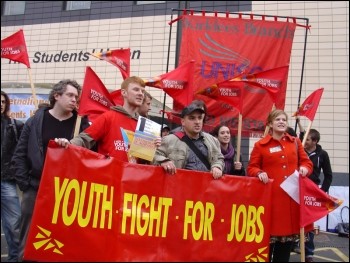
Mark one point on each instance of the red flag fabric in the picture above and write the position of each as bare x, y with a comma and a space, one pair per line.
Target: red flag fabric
269, 80
177, 83
117, 97
314, 202
224, 48
95, 98
14, 48
310, 105
229, 92
117, 57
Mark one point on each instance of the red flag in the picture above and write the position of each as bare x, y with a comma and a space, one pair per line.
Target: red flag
119, 58
95, 98
177, 83
310, 105
14, 48
314, 202
231, 91
117, 97
269, 80
228, 92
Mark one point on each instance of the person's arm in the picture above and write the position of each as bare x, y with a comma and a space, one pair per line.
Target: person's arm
217, 157
19, 160
301, 129
161, 154
254, 168
327, 172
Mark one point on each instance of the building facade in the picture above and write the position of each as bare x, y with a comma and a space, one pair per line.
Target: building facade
61, 35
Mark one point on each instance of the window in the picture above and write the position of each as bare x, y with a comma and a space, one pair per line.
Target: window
149, 2
78, 5
14, 8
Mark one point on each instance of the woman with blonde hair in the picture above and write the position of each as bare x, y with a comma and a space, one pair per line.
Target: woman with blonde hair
277, 156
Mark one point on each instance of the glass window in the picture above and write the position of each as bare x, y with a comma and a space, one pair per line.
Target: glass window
14, 8
149, 2
78, 5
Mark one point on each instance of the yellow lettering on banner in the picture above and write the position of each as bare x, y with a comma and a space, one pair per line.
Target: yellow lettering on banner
70, 192
246, 224
144, 213
201, 217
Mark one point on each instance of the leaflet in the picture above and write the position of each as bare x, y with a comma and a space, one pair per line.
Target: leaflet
142, 145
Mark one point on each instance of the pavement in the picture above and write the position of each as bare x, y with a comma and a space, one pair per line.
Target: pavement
329, 247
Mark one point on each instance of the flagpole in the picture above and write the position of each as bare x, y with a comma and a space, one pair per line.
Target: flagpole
239, 136
33, 89
302, 230
307, 133
302, 243
302, 66
77, 125
267, 128
167, 67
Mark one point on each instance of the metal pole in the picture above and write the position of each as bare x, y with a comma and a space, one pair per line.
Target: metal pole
302, 69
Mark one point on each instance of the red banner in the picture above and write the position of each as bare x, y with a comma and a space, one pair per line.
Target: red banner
224, 48
14, 48
95, 98
117, 57
100, 209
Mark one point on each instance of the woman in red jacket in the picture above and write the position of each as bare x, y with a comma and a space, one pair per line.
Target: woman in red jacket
277, 156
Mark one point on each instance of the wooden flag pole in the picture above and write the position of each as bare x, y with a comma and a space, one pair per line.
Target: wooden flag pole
302, 230
267, 128
33, 89
302, 243
77, 125
306, 133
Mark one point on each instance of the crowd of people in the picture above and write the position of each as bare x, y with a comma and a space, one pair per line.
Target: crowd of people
273, 158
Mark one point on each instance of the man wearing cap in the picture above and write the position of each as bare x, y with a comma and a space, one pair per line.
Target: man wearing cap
191, 148
165, 130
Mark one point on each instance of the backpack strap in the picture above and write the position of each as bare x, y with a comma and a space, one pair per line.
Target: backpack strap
183, 137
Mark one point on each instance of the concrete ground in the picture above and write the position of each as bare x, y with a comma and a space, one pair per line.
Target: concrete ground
329, 247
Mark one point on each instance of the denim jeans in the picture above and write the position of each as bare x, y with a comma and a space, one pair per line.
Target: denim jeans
309, 245
10, 217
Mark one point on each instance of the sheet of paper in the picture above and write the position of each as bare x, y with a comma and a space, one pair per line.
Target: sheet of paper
291, 186
148, 126
142, 145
